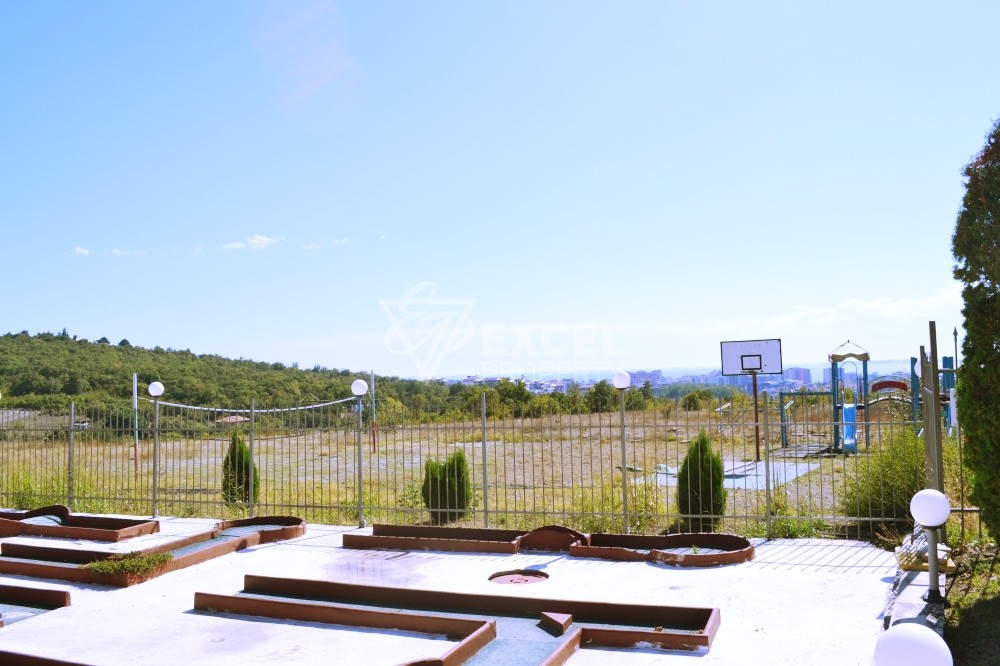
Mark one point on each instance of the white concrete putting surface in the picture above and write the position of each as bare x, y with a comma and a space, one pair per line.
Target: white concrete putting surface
804, 602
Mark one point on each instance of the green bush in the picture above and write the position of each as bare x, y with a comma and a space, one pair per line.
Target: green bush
599, 511
701, 497
974, 245
236, 470
882, 483
447, 488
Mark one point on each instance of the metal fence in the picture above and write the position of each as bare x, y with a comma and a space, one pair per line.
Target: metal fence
785, 469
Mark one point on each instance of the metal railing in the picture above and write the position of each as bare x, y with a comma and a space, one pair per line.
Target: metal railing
612, 472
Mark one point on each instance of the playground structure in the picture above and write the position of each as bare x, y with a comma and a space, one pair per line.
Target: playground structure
846, 408
851, 406
844, 412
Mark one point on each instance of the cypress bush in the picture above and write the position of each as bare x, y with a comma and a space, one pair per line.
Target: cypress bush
974, 244
447, 487
701, 497
236, 471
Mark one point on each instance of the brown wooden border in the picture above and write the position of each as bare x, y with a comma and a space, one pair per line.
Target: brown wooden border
618, 547
425, 537
72, 526
472, 635
33, 597
41, 561
680, 625
8, 658
625, 547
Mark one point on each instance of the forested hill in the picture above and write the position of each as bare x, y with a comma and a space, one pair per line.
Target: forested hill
50, 370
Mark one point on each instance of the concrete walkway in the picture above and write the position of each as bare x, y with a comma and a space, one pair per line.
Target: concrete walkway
805, 601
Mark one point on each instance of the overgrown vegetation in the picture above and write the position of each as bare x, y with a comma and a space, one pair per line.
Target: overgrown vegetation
788, 524
447, 489
701, 495
599, 510
977, 267
883, 482
974, 605
237, 472
135, 563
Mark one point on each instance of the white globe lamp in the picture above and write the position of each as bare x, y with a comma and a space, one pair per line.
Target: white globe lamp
621, 380
930, 508
910, 643
359, 387
155, 389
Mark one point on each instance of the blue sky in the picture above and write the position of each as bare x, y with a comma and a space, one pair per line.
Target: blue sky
493, 188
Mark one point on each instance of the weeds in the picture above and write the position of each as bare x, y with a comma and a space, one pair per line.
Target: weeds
136, 564
601, 510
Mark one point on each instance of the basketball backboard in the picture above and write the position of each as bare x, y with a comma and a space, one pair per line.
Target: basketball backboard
746, 356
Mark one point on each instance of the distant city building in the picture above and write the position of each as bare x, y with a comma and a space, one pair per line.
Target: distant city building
744, 382
640, 377
845, 378
798, 375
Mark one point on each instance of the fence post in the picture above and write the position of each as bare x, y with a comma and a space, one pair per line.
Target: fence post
486, 480
767, 467
252, 465
624, 466
69, 462
359, 388
156, 455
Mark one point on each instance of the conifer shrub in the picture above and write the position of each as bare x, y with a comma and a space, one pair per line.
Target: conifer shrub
701, 496
974, 245
236, 473
447, 487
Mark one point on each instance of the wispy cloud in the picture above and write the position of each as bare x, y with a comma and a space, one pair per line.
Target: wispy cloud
253, 243
315, 245
80, 251
877, 309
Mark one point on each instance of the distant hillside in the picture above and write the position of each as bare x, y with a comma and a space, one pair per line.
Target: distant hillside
49, 370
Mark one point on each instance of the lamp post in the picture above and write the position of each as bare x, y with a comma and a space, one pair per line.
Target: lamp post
359, 388
931, 509
622, 381
910, 643
155, 391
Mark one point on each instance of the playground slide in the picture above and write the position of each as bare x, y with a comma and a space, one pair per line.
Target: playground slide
850, 442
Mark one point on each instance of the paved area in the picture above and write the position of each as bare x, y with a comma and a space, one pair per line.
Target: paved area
813, 602
747, 475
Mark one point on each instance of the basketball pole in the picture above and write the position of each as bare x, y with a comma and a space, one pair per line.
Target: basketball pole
756, 414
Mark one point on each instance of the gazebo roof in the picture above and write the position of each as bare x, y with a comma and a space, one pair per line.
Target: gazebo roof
849, 350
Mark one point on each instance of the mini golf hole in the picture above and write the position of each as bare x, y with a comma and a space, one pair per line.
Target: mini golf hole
518, 577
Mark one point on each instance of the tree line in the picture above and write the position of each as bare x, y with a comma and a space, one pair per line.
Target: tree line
50, 370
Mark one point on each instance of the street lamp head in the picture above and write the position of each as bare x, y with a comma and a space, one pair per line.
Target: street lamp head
907, 643
930, 508
621, 380
155, 389
359, 387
